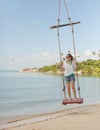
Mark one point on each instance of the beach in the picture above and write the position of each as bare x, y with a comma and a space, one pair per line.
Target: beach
25, 106
80, 118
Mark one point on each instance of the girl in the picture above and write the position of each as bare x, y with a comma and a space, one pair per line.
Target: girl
69, 66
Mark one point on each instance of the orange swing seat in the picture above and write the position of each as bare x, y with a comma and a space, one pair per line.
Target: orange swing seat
72, 101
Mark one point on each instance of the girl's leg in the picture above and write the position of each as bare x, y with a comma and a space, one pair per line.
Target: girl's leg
68, 90
73, 89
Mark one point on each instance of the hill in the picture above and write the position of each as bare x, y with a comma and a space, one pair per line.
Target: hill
85, 67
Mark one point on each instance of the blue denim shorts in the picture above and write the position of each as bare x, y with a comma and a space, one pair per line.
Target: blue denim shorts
70, 78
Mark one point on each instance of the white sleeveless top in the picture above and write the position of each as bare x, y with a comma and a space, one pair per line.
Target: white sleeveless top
69, 68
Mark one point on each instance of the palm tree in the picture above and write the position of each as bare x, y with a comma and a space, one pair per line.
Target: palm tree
94, 53
99, 53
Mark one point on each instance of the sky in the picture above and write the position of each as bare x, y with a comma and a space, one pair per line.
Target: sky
26, 39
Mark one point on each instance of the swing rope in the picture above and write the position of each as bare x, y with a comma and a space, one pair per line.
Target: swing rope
73, 40
59, 45
58, 34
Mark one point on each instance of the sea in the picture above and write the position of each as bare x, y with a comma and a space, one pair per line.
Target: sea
24, 94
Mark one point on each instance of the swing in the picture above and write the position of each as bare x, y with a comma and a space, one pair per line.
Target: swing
66, 100
72, 101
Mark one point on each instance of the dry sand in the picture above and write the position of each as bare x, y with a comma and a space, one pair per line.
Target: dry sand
83, 118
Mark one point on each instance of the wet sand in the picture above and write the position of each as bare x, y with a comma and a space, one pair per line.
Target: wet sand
81, 118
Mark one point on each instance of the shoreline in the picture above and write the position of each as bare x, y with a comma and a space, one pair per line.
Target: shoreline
57, 73
41, 118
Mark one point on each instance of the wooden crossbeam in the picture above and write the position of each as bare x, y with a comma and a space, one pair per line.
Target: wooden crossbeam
62, 25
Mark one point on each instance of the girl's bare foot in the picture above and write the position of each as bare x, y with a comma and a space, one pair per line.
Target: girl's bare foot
75, 99
69, 99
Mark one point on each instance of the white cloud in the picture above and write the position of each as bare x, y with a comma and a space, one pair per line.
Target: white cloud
45, 54
88, 53
36, 60
35, 22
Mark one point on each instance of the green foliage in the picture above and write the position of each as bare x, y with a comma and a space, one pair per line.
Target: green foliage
53, 68
90, 66
86, 67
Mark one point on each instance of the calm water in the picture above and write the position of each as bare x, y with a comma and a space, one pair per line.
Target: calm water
34, 93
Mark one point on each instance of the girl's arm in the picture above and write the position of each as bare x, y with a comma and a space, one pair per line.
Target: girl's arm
74, 64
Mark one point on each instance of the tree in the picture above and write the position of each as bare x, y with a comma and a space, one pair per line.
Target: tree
94, 53
99, 53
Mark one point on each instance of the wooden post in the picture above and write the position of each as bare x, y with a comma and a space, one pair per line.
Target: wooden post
63, 25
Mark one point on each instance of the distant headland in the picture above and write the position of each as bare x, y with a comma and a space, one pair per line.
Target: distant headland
89, 66
29, 70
